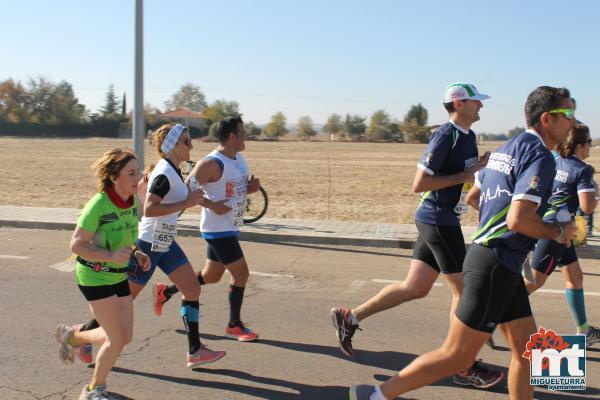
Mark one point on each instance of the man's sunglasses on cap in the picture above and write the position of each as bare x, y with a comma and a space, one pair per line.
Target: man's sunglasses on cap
569, 113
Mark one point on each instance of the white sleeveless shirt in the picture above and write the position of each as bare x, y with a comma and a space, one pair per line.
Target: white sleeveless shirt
233, 187
178, 191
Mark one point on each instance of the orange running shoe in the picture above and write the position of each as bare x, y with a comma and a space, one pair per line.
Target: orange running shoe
240, 333
158, 297
203, 355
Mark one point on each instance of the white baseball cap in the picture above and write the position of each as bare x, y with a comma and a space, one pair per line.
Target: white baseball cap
462, 91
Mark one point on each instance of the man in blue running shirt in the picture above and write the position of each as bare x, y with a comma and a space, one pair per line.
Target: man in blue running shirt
515, 182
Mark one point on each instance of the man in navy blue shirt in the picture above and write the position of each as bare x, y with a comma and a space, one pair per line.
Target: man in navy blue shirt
516, 181
447, 164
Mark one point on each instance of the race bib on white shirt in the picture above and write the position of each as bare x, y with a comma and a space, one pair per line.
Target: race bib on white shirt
164, 234
235, 192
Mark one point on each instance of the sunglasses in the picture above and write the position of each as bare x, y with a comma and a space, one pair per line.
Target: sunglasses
569, 113
187, 142
589, 141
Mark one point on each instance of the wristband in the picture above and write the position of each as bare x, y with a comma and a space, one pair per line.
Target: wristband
561, 234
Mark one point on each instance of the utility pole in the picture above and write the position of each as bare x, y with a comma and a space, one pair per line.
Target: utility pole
139, 125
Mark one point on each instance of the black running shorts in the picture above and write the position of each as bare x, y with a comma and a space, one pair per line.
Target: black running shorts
441, 247
493, 294
548, 255
92, 293
225, 250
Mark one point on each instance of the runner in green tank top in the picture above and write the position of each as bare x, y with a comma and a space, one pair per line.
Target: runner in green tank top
103, 241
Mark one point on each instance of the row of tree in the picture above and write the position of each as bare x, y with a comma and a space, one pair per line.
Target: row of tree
40, 101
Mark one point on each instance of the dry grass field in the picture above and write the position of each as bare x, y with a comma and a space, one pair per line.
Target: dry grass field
306, 180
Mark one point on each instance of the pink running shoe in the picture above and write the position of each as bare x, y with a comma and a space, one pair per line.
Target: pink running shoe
240, 333
158, 297
84, 351
203, 355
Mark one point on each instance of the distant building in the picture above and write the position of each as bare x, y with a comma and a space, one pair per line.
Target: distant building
184, 116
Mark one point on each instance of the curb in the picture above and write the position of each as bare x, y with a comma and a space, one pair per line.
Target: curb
259, 237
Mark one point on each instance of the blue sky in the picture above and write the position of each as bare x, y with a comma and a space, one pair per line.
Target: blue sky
315, 57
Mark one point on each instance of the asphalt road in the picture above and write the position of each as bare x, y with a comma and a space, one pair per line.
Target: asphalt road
287, 302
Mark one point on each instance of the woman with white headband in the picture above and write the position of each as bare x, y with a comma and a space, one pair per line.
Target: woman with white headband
167, 195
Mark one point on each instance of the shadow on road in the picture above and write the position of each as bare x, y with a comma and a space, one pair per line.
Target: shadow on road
304, 391
391, 360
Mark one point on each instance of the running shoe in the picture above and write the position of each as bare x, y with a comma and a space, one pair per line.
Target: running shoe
478, 376
99, 393
158, 297
203, 355
84, 351
361, 392
344, 329
66, 350
240, 333
592, 336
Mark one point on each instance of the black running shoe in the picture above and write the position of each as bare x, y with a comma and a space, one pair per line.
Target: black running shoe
478, 376
344, 329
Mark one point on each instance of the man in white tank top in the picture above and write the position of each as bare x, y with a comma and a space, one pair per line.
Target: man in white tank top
223, 176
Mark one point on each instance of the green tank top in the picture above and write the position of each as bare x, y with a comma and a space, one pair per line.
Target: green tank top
115, 229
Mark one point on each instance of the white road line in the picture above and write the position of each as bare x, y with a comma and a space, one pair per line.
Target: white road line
563, 292
14, 257
64, 266
393, 281
270, 275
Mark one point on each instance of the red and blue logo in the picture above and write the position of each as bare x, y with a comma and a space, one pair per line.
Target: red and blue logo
556, 361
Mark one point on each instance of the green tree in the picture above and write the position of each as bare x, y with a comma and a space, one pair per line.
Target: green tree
305, 128
419, 113
111, 104
413, 132
39, 98
276, 127
354, 127
221, 109
252, 130
334, 126
124, 106
65, 106
189, 96
515, 131
51, 103
379, 126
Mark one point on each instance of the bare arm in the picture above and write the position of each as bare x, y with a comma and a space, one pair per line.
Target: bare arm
424, 182
472, 198
588, 202
82, 246
206, 171
154, 208
253, 185
523, 218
